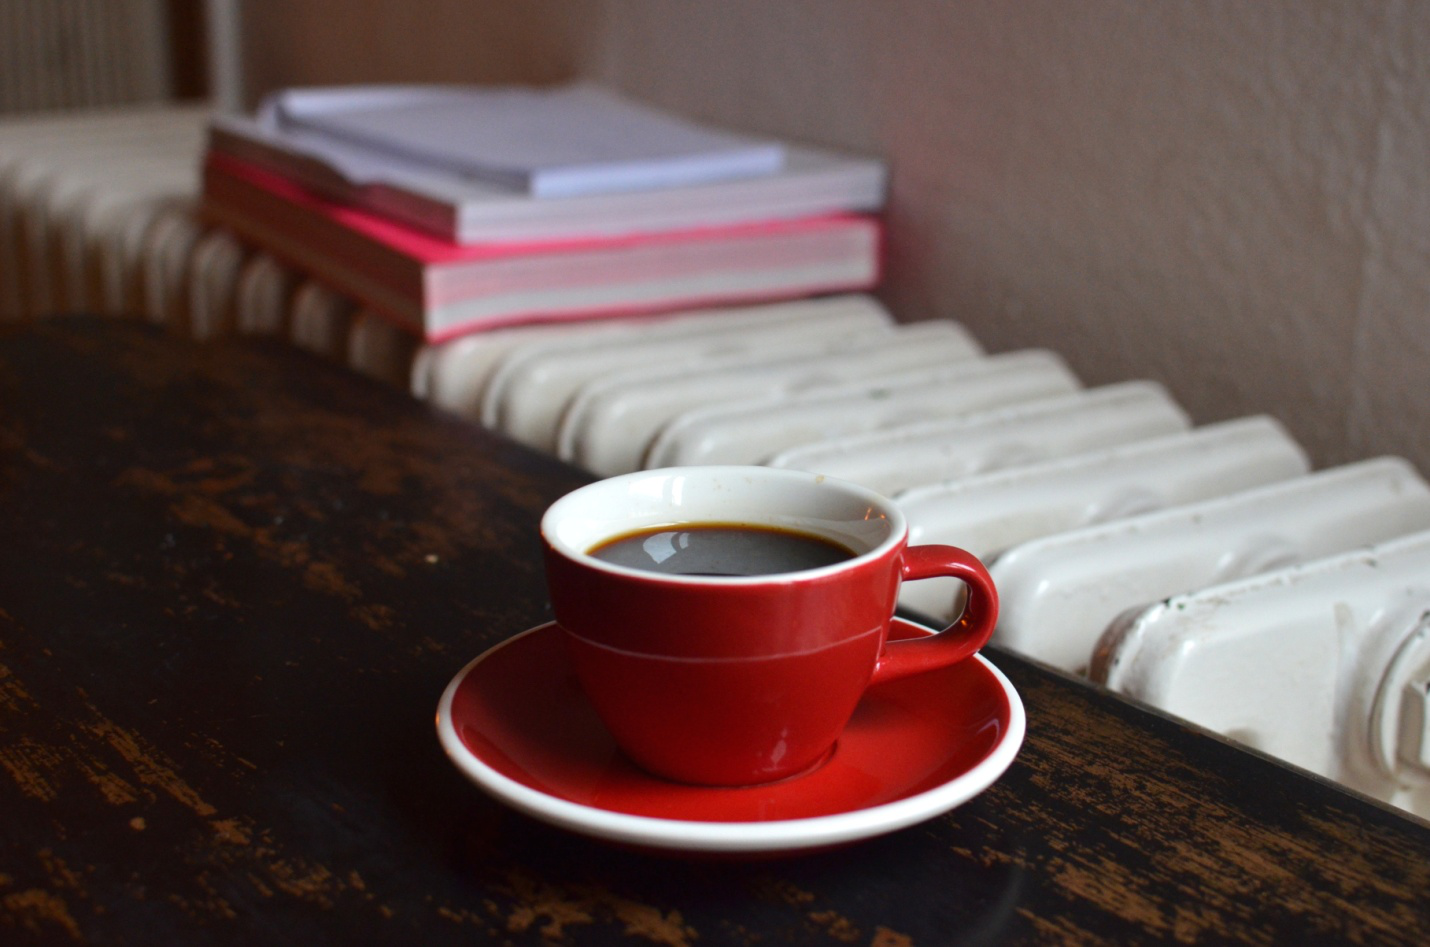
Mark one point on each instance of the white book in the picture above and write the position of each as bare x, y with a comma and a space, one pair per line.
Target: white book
549, 142
810, 182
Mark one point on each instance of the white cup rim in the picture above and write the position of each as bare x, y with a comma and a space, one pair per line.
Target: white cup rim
575, 543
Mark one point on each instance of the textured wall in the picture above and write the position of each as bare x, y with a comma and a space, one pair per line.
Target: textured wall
1229, 197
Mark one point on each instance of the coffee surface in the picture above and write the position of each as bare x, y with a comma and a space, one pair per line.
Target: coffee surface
721, 549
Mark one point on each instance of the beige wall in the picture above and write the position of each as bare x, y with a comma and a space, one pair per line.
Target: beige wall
1230, 197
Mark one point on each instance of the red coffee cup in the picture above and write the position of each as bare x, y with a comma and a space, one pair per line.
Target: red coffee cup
741, 679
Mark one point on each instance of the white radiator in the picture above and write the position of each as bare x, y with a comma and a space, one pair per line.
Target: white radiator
1207, 571
67, 53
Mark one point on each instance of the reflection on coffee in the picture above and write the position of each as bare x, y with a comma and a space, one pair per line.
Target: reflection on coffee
721, 549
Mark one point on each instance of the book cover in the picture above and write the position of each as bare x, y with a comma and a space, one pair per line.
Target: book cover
562, 141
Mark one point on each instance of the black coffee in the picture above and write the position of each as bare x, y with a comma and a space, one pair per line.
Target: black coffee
717, 549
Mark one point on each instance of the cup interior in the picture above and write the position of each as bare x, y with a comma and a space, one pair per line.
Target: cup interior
853, 516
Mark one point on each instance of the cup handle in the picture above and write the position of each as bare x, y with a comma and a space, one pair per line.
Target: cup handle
959, 640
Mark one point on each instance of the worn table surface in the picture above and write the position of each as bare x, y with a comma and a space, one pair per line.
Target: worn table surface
234, 582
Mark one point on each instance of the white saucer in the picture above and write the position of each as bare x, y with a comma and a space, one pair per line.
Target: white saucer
516, 723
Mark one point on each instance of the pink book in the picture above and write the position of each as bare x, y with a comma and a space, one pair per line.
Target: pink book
439, 289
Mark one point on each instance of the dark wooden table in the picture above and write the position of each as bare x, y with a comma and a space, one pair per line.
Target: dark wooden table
234, 581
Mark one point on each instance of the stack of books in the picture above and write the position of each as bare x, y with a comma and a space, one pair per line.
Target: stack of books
455, 209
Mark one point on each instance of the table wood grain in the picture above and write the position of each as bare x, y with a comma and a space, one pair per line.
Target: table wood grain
234, 581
